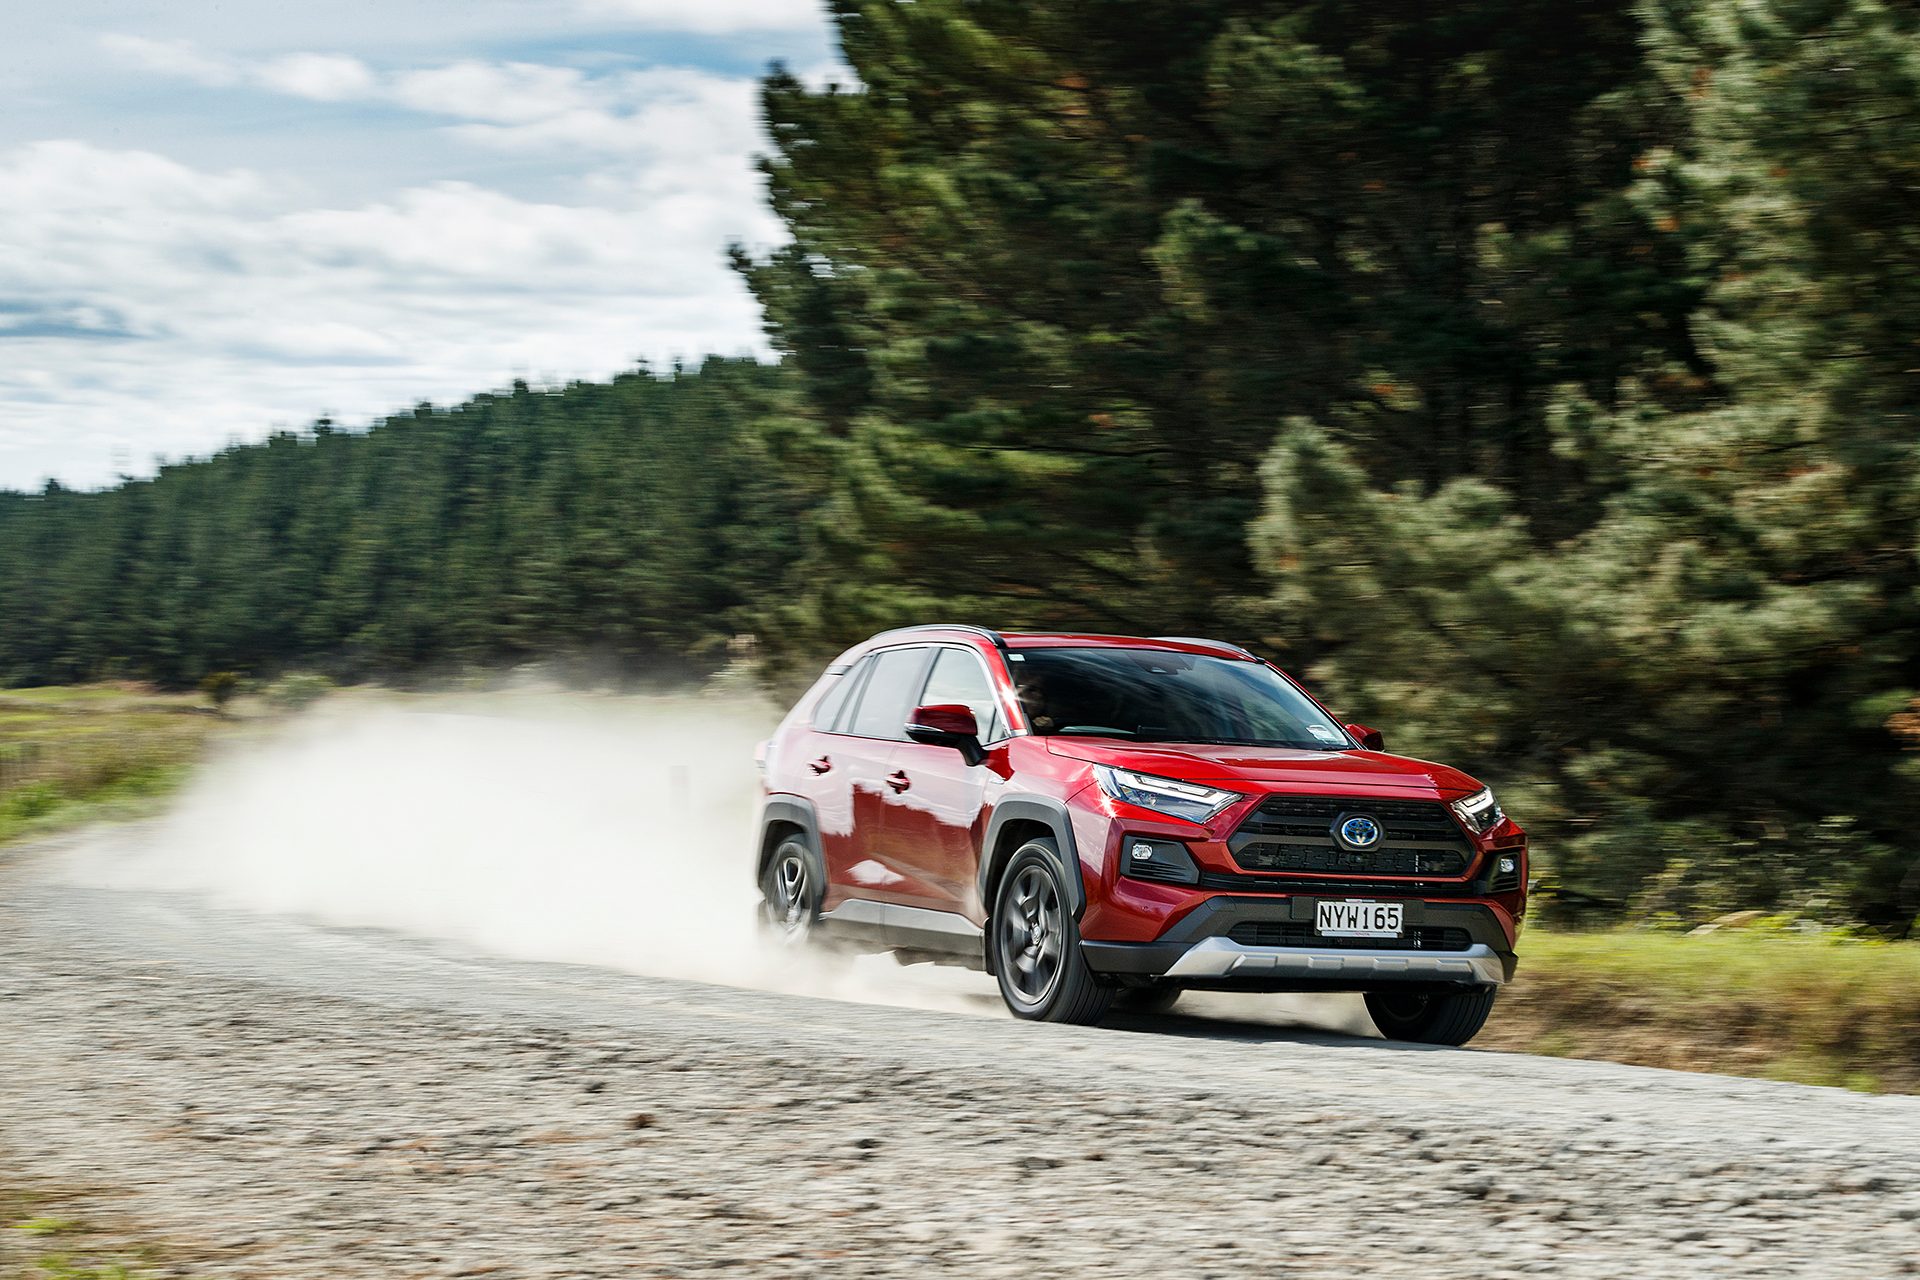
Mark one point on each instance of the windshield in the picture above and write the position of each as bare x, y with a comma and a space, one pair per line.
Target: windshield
1151, 695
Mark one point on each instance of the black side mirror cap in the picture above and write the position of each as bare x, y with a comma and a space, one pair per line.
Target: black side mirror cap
948, 725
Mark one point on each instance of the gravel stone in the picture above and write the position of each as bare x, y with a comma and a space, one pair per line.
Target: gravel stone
276, 1098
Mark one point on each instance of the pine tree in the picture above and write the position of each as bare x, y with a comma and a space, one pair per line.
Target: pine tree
1059, 272
1705, 698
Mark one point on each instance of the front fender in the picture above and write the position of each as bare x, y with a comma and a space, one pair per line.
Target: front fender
995, 852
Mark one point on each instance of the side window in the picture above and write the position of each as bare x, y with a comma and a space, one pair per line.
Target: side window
888, 695
959, 678
828, 711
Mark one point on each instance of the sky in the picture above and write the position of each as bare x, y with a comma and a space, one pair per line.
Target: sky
220, 218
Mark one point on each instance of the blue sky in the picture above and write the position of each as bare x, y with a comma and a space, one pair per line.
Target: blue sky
220, 218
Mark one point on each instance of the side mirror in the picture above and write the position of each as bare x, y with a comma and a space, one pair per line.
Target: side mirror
1369, 738
948, 725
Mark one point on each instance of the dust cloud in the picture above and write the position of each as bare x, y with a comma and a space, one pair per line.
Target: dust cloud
604, 831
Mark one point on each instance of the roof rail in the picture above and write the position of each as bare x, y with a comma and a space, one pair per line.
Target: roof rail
994, 636
1202, 640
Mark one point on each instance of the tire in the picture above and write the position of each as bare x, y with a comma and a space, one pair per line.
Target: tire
791, 891
1431, 1017
1154, 1000
1035, 943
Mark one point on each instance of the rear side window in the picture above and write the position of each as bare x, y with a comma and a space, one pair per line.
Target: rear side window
959, 678
828, 711
888, 695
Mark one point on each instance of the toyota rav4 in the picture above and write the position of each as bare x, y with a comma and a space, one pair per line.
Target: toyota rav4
1096, 819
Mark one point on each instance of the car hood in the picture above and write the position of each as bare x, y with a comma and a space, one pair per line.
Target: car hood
1275, 765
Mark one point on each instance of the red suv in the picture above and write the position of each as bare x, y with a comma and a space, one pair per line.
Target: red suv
1102, 818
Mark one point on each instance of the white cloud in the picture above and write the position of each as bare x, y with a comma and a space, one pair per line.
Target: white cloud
504, 92
711, 17
322, 77
669, 112
507, 105
152, 307
171, 57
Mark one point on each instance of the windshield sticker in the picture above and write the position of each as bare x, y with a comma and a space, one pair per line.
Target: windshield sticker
1323, 733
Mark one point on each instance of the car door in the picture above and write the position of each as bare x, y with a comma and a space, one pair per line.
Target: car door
872, 729
823, 776
935, 797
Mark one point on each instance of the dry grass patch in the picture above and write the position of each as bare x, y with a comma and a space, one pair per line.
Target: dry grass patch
90, 751
1759, 1003
50, 1232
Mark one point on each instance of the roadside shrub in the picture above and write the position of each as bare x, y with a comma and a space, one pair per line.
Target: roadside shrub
220, 686
297, 690
24, 804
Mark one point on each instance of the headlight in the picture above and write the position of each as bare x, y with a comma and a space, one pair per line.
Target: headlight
1188, 800
1480, 811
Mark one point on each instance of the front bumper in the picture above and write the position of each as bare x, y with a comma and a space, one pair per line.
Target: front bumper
1478, 965
1198, 951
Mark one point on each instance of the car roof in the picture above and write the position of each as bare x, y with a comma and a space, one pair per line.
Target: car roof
1015, 640
1080, 640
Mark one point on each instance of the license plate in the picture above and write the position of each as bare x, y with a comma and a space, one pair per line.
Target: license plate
1355, 919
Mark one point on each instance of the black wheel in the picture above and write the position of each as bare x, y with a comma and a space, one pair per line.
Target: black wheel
791, 890
1036, 944
1431, 1017
1156, 999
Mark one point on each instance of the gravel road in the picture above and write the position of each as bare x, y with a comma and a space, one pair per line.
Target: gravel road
264, 1097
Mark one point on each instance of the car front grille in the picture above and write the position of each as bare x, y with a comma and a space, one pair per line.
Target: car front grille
1293, 835
1229, 882
1330, 859
1279, 933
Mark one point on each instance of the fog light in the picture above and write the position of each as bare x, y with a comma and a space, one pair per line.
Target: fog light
1508, 866
1164, 860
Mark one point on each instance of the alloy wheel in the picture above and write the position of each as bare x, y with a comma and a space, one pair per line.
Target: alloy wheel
1032, 934
790, 898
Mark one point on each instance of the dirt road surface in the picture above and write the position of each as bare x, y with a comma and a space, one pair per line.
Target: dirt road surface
262, 1097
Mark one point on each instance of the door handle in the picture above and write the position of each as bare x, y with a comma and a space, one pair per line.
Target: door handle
898, 780
821, 765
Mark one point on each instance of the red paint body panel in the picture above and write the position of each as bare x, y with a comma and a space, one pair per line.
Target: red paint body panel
934, 825
905, 823
1276, 768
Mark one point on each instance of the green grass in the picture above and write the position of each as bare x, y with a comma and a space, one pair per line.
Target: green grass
114, 695
48, 1226
1815, 1010
75, 754
46, 1246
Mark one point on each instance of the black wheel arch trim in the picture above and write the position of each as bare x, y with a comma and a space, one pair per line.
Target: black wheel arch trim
1049, 813
787, 810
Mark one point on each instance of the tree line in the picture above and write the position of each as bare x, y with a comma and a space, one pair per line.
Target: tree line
1537, 380
624, 524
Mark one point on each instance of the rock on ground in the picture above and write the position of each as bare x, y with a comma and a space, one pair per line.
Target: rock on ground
264, 1098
